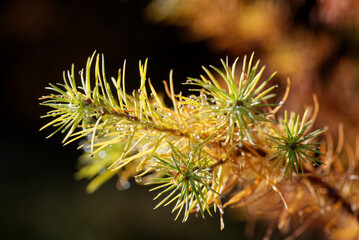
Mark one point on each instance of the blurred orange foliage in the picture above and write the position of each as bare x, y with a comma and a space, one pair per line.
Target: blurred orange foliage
314, 43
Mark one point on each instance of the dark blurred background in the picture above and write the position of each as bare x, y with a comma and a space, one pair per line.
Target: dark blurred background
39, 39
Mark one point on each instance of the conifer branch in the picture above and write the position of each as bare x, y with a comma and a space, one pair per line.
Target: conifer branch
223, 146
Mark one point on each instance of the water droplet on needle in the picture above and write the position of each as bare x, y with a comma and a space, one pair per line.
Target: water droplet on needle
138, 179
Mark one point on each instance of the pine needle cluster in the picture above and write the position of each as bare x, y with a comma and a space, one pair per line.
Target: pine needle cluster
221, 146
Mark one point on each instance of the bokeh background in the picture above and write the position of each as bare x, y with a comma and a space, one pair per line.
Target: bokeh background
315, 43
